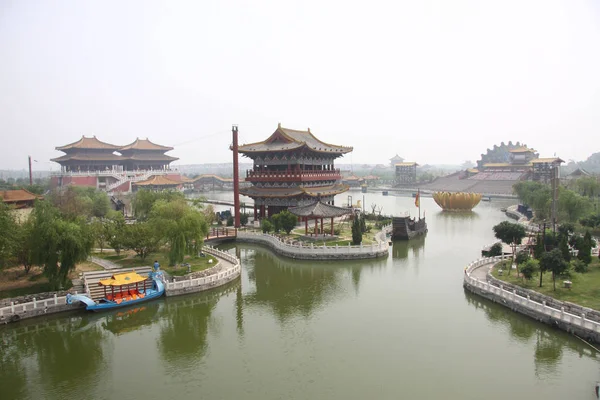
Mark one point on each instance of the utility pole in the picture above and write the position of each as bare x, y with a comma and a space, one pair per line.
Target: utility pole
554, 184
236, 178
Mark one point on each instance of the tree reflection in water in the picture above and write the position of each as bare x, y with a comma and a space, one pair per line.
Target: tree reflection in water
58, 351
295, 287
549, 342
401, 248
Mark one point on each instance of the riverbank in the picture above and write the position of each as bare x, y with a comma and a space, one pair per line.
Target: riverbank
227, 270
572, 318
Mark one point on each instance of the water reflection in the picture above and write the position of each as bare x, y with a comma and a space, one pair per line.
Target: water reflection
61, 354
401, 248
549, 343
132, 319
184, 325
293, 287
457, 215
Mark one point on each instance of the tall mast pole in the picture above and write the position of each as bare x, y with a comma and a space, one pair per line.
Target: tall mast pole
236, 178
30, 175
419, 194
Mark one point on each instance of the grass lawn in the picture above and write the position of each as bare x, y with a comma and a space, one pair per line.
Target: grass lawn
584, 291
130, 259
342, 239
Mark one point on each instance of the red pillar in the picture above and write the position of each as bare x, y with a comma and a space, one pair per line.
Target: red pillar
255, 213
332, 232
236, 178
306, 225
321, 225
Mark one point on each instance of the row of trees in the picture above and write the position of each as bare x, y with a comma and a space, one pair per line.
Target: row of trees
61, 231
552, 252
283, 221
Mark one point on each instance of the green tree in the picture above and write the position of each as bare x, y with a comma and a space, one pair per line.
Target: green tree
141, 238
244, 219
522, 257
536, 195
180, 226
144, 200
573, 206
23, 253
266, 226
563, 245
511, 234
356, 232
276, 221
100, 204
539, 249
58, 244
363, 223
8, 237
588, 186
114, 229
288, 221
495, 250
553, 261
528, 268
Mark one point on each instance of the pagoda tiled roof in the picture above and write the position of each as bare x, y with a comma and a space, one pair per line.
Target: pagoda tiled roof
88, 157
407, 164
88, 143
317, 191
521, 149
17, 195
149, 157
319, 209
546, 160
157, 180
145, 144
284, 139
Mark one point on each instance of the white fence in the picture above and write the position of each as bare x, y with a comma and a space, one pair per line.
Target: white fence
514, 298
312, 248
230, 273
23, 308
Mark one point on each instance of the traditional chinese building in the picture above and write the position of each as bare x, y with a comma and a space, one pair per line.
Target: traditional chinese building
93, 163
142, 154
545, 169
406, 173
292, 168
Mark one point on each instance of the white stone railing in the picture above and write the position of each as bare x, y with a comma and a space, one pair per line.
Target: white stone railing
111, 172
514, 298
22, 308
312, 248
230, 272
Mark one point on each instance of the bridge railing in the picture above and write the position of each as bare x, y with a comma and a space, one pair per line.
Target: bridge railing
230, 273
513, 297
312, 248
23, 308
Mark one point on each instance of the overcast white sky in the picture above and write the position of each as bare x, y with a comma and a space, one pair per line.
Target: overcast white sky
434, 81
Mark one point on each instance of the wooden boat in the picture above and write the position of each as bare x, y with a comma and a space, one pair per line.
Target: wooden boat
406, 228
125, 289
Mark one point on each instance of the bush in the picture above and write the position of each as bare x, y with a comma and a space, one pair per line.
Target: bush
495, 250
522, 257
266, 226
580, 266
529, 268
230, 221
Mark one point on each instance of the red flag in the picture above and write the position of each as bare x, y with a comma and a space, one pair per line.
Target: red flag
417, 200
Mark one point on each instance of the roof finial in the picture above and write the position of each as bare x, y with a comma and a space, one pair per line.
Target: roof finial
279, 125
308, 130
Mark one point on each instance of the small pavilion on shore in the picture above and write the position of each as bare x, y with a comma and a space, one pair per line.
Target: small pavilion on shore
319, 211
157, 183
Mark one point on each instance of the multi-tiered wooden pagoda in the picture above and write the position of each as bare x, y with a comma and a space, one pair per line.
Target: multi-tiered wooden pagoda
292, 168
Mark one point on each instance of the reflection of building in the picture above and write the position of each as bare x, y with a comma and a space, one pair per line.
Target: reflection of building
93, 163
545, 168
406, 173
291, 168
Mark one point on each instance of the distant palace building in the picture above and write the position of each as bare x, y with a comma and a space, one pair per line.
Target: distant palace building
291, 168
406, 173
91, 162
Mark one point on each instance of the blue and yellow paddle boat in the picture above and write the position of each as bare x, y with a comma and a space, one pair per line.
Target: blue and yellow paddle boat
122, 290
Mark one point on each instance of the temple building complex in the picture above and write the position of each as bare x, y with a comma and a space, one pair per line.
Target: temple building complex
291, 168
93, 163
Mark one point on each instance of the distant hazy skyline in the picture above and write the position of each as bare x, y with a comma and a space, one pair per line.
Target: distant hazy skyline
436, 82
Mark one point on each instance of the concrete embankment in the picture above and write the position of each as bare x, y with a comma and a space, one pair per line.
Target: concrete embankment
315, 252
227, 270
569, 317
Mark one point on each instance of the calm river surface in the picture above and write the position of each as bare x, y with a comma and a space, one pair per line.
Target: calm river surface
402, 327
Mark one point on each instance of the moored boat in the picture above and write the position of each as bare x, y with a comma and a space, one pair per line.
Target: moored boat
122, 290
406, 228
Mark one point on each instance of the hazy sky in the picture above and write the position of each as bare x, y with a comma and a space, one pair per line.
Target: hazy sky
434, 81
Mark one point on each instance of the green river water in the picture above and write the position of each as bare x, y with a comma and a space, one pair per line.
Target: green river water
395, 328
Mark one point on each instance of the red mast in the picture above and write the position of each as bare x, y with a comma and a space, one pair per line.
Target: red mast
236, 178
30, 175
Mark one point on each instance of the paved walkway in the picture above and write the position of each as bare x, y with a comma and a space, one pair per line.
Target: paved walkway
106, 264
480, 273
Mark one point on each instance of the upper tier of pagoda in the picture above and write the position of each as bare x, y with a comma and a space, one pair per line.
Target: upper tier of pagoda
290, 140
